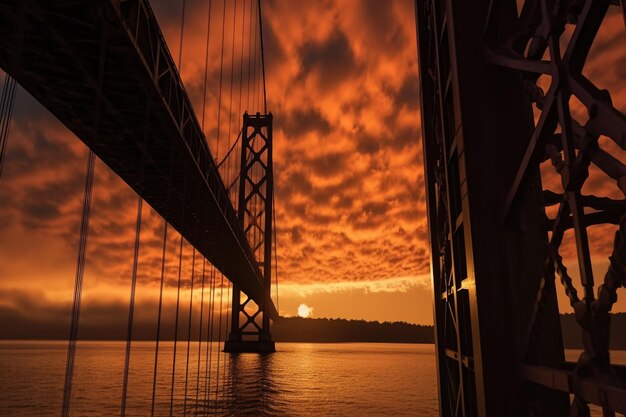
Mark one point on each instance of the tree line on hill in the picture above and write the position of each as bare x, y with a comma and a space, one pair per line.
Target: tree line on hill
297, 329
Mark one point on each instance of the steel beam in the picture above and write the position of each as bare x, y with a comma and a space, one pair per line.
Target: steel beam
479, 66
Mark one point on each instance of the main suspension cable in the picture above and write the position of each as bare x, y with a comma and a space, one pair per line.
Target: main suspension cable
230, 150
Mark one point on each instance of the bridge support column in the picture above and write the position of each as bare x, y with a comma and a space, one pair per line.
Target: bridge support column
250, 324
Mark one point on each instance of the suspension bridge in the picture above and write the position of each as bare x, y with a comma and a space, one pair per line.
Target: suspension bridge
104, 69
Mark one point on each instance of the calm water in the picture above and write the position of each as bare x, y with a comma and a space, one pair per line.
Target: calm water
347, 379
352, 379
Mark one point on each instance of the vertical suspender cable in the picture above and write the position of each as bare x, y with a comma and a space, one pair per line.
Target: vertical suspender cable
219, 100
228, 163
238, 154
180, 252
158, 329
226, 334
208, 344
180, 264
248, 107
7, 104
254, 67
243, 27
182, 35
257, 64
200, 333
158, 332
78, 284
206, 63
209, 362
82, 245
131, 311
265, 111
262, 57
275, 249
133, 285
193, 270
258, 76
230, 101
219, 340
206, 66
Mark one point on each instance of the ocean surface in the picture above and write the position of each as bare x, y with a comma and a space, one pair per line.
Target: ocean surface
302, 379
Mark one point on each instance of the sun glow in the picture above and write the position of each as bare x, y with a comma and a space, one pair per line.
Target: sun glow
304, 310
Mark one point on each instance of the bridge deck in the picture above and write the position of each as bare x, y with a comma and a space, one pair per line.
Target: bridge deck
103, 69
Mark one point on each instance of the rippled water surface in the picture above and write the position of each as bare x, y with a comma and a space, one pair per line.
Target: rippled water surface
351, 379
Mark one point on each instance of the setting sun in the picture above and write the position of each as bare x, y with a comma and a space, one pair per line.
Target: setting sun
304, 310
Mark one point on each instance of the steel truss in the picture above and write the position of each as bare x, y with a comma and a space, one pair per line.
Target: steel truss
496, 315
534, 49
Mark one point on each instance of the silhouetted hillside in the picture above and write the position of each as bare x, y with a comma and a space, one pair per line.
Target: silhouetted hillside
572, 338
297, 329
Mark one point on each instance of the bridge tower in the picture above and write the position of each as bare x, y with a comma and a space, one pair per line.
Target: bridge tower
250, 324
488, 123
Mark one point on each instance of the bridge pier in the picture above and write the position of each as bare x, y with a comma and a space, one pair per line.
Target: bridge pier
232, 345
250, 324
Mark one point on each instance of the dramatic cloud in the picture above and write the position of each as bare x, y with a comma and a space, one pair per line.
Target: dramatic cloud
342, 83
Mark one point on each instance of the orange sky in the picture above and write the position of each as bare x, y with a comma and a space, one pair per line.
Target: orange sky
342, 85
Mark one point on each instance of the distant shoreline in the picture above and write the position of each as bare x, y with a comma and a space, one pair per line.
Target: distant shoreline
309, 330
297, 329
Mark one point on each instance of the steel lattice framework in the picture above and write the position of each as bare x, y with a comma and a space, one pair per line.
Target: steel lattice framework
255, 213
495, 250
